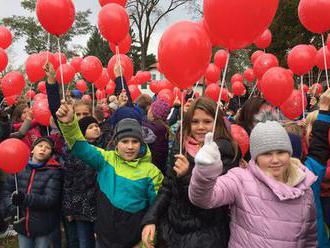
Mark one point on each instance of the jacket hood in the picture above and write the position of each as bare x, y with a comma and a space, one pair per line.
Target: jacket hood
299, 180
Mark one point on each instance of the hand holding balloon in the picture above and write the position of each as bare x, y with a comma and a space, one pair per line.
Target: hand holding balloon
116, 70
65, 113
50, 73
325, 101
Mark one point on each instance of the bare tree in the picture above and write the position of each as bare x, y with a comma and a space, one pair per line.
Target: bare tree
147, 14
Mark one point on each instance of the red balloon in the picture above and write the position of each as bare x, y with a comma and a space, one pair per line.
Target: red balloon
76, 63
238, 89
220, 58
56, 62
263, 63
184, 53
113, 22
41, 112
301, 59
251, 18
256, 55
121, 2
159, 69
153, 86
50, 57
315, 15
56, 17
5, 37
249, 75
135, 91
81, 86
305, 88
30, 94
86, 98
277, 85
91, 68
3, 59
319, 60
100, 94
124, 46
179, 94
103, 80
236, 78
68, 73
293, 108
14, 155
213, 91
212, 73
126, 64
42, 87
264, 40
12, 83
166, 95
110, 89
39, 96
11, 100
34, 67
328, 41
241, 137
165, 84
147, 76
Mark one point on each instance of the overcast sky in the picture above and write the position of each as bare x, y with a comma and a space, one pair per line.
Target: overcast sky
16, 51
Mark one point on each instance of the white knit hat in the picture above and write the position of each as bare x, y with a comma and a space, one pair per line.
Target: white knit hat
269, 136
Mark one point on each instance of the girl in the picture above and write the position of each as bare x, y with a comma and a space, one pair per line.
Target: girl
272, 202
128, 181
178, 222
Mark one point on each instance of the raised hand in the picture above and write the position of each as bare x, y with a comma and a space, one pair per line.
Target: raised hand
50, 73
65, 112
325, 101
209, 154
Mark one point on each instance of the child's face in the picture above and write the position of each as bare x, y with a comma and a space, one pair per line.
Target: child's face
201, 124
128, 148
24, 113
93, 132
41, 152
82, 111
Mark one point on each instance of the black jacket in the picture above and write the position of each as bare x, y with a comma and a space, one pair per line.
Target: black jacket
181, 224
79, 190
41, 209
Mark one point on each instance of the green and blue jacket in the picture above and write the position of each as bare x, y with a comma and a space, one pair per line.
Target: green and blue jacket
127, 189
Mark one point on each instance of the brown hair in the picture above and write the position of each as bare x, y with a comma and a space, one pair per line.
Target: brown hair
245, 116
144, 101
83, 103
209, 107
18, 111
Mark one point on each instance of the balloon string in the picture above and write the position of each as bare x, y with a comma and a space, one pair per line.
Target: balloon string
302, 94
310, 78
194, 90
325, 60
3, 99
319, 76
48, 47
219, 99
120, 68
16, 186
30, 95
253, 90
61, 69
93, 101
181, 123
47, 130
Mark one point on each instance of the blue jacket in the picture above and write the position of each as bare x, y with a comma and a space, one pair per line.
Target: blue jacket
316, 161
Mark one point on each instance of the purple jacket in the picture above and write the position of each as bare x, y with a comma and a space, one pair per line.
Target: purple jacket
264, 212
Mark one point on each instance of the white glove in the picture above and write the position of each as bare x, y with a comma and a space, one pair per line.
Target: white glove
209, 154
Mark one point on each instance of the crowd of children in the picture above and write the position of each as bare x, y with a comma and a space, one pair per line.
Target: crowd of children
113, 176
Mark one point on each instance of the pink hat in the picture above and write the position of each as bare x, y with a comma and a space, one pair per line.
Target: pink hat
160, 109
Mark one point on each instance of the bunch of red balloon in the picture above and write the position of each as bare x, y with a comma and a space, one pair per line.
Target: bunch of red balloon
5, 42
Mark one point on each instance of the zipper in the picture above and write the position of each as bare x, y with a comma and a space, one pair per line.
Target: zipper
27, 212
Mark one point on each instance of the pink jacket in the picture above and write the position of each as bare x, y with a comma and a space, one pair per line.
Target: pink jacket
264, 212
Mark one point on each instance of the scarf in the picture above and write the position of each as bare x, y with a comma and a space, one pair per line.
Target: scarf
191, 146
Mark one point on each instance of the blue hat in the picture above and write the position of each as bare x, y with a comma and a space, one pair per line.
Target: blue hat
124, 113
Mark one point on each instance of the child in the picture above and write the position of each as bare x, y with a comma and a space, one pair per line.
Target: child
178, 222
80, 188
127, 179
272, 203
38, 196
